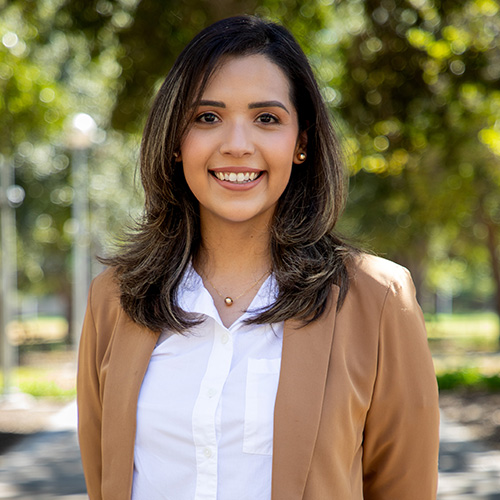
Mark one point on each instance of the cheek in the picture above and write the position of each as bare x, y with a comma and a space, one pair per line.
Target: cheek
192, 156
283, 151
193, 143
287, 143
193, 179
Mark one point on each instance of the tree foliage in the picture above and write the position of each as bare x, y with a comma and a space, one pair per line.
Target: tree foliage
421, 96
51, 69
413, 84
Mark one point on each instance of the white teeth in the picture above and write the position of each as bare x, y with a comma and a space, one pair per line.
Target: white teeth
237, 178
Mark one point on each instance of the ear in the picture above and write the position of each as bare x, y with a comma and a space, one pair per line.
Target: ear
300, 153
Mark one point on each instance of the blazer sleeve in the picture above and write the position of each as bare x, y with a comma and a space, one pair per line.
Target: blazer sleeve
89, 403
401, 438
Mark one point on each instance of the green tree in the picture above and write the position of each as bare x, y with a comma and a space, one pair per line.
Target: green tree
421, 98
413, 85
50, 70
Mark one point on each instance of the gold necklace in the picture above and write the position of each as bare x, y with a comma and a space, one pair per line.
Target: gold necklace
229, 301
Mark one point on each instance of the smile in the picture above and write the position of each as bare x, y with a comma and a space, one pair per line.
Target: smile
236, 177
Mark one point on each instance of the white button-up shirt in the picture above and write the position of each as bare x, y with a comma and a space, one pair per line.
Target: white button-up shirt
206, 406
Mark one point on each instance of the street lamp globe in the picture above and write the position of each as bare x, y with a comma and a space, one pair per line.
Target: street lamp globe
82, 131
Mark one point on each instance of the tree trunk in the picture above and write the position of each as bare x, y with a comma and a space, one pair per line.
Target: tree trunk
492, 243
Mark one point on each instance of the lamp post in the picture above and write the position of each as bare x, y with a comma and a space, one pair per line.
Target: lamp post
11, 196
81, 136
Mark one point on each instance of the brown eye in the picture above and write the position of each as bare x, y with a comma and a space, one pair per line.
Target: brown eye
267, 118
207, 118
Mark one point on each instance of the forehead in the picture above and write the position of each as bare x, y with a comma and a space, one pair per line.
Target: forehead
251, 74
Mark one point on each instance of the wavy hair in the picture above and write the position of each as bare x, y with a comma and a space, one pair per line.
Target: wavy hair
306, 257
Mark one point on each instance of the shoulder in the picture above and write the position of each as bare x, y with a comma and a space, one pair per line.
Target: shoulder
104, 296
104, 286
374, 272
381, 309
374, 280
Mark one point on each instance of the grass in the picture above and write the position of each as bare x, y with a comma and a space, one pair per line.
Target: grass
468, 378
40, 329
466, 333
465, 350
47, 369
44, 381
41, 383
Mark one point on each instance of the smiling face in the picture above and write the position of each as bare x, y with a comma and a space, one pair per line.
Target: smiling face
238, 152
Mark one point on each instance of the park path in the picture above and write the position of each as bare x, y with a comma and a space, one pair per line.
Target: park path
467, 468
46, 465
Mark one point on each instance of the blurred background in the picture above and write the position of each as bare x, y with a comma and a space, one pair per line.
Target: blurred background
414, 87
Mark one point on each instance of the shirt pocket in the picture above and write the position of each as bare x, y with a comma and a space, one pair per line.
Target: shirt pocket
260, 398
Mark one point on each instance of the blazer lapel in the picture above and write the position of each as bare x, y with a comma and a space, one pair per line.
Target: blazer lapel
297, 414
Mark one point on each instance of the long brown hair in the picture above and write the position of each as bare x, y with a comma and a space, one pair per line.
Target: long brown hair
306, 256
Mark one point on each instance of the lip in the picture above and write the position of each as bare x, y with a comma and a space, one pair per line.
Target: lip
237, 187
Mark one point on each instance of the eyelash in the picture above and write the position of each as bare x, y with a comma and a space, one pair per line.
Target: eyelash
272, 119
200, 118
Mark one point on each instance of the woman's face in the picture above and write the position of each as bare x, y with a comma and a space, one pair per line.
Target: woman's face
238, 152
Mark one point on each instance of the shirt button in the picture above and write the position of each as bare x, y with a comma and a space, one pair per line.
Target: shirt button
225, 338
211, 393
207, 452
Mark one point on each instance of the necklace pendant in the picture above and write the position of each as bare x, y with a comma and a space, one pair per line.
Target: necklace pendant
228, 301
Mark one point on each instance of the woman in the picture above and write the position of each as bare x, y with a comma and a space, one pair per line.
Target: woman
235, 348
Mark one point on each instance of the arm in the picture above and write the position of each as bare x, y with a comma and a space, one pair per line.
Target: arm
401, 439
89, 404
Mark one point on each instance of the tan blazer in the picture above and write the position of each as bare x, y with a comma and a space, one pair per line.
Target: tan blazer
356, 413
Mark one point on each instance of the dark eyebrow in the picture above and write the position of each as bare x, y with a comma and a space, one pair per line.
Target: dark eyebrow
252, 105
268, 104
217, 104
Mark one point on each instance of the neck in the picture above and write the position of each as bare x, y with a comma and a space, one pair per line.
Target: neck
233, 261
234, 249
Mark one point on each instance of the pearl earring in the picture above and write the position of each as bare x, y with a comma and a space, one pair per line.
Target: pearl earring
302, 156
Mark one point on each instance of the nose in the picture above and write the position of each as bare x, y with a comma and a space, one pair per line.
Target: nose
237, 140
